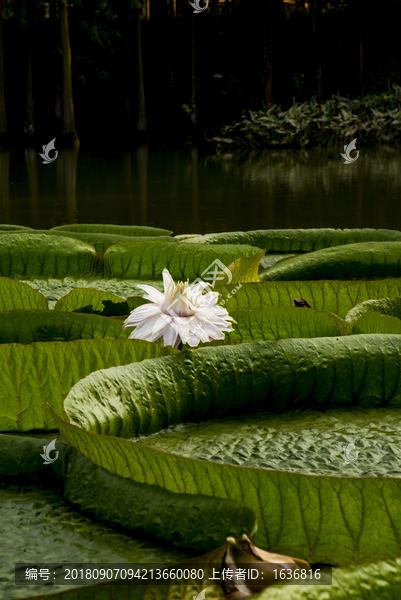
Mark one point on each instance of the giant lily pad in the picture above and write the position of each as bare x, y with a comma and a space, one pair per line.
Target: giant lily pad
6, 227
276, 322
81, 298
42, 373
29, 326
274, 375
128, 230
374, 322
386, 306
325, 296
318, 518
139, 507
17, 295
302, 432
367, 260
298, 240
42, 256
302, 441
56, 289
143, 260
100, 241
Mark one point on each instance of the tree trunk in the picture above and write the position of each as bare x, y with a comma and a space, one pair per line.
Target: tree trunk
359, 14
69, 131
124, 14
3, 115
360, 77
267, 51
275, 49
29, 127
57, 104
193, 73
318, 47
170, 31
141, 125
164, 31
356, 13
269, 82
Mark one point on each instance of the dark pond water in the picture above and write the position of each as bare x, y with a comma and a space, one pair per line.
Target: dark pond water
192, 193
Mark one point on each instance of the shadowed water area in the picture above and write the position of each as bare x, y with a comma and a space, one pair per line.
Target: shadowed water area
189, 192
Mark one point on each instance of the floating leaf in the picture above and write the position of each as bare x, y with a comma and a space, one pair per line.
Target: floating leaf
80, 297
5, 227
29, 326
119, 403
367, 260
17, 295
374, 322
279, 322
386, 306
44, 256
128, 230
102, 241
184, 261
42, 373
242, 270
324, 296
186, 236
55, 289
298, 240
139, 507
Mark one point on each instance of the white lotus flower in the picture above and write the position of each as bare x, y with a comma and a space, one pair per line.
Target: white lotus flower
182, 313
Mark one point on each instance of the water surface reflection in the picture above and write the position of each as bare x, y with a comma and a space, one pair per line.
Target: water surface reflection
192, 193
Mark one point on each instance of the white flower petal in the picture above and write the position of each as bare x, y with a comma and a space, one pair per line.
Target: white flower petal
197, 329
211, 298
213, 332
220, 310
171, 337
142, 312
182, 313
215, 316
195, 291
199, 285
152, 293
167, 280
141, 334
182, 326
161, 324
193, 340
144, 331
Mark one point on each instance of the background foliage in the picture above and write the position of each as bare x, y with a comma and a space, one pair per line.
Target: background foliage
202, 69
